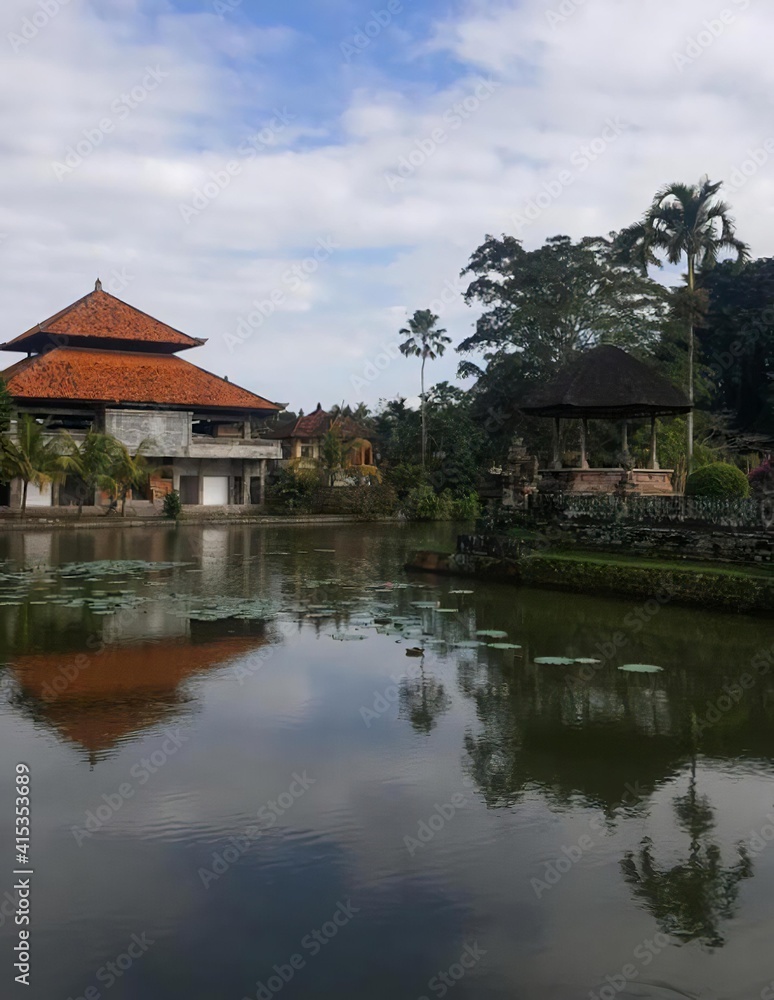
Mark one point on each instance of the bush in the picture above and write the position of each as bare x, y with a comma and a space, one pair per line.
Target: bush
718, 480
172, 507
294, 490
405, 477
762, 479
423, 504
466, 507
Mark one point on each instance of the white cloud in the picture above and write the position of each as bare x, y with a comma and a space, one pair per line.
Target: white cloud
401, 246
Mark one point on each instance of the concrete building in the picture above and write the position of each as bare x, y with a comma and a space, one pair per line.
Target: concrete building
103, 364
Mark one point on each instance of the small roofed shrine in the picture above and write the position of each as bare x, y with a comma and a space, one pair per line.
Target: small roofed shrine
606, 383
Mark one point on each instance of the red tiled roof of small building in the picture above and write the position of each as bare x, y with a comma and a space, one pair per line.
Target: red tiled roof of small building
99, 317
105, 376
316, 425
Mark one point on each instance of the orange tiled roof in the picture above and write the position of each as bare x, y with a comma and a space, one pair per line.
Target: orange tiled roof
316, 425
105, 376
100, 316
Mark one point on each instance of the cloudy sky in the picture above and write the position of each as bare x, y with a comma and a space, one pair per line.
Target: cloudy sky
291, 180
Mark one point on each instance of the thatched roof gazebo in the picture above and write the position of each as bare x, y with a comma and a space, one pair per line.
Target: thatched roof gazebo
606, 383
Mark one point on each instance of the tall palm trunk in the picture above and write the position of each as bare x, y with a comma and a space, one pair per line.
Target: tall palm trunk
422, 408
691, 287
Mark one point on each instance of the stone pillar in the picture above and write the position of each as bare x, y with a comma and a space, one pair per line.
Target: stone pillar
557, 460
584, 432
625, 439
262, 494
653, 448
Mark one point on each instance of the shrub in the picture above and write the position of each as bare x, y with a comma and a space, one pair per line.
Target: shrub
761, 479
294, 490
172, 507
718, 480
422, 503
466, 507
405, 477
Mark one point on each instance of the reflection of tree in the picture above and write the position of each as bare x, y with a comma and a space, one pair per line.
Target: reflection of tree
423, 700
690, 899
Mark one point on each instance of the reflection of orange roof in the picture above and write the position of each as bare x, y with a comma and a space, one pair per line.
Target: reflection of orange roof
121, 689
80, 375
100, 316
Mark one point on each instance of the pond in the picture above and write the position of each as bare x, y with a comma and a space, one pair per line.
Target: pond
266, 760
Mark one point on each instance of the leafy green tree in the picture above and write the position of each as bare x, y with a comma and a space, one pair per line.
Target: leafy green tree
332, 453
736, 344
6, 407
550, 303
426, 341
91, 460
31, 455
684, 220
127, 472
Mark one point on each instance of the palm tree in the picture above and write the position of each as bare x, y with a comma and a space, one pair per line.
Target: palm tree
683, 220
91, 460
423, 340
30, 455
128, 472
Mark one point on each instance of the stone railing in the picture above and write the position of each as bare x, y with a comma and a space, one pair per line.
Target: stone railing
658, 511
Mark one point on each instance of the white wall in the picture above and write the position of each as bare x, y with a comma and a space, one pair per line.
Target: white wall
39, 498
215, 490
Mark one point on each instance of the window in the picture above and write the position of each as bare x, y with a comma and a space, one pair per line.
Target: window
307, 451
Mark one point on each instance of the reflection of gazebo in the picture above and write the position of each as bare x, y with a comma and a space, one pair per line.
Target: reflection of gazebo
606, 383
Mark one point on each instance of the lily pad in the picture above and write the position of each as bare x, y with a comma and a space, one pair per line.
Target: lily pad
493, 633
447, 611
554, 661
641, 668
586, 659
346, 636
424, 604
460, 591
503, 645
415, 651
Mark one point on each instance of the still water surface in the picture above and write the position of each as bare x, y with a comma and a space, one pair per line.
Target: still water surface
267, 761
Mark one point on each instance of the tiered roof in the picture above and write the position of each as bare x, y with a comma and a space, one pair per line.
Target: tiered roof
316, 425
101, 350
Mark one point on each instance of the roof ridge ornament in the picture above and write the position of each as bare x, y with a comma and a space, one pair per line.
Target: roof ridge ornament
97, 285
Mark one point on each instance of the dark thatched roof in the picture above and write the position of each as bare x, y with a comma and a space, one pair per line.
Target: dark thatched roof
606, 383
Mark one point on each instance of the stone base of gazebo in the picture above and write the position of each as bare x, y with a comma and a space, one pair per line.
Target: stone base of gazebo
652, 482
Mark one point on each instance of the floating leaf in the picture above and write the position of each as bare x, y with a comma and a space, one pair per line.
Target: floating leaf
415, 651
346, 636
586, 659
460, 591
641, 668
493, 633
503, 645
424, 604
554, 661
447, 611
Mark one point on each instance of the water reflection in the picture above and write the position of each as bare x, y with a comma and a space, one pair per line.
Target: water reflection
690, 899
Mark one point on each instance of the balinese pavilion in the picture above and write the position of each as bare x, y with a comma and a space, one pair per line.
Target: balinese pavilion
606, 383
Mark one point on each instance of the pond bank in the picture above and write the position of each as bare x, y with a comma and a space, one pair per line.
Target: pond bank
12, 522
739, 589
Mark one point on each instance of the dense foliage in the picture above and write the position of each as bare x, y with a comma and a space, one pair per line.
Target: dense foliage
718, 480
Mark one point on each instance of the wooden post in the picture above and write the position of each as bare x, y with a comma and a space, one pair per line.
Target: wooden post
557, 463
584, 431
653, 448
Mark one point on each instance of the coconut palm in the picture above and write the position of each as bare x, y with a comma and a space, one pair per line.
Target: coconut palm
423, 340
90, 460
128, 472
30, 455
684, 220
